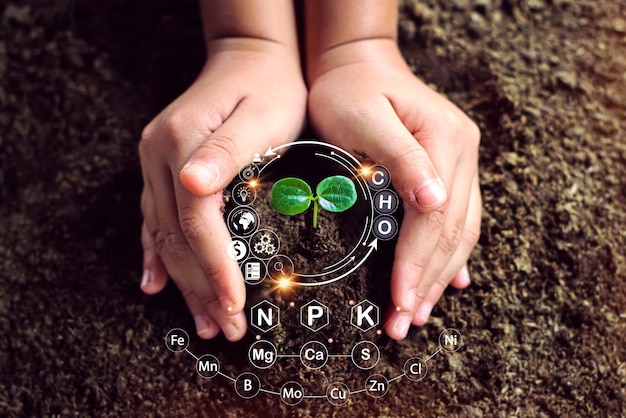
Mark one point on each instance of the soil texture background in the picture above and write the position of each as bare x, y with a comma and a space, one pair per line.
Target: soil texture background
544, 320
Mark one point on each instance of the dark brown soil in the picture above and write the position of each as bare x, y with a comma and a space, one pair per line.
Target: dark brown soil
544, 321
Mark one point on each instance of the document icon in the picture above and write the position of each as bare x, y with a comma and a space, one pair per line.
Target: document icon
253, 270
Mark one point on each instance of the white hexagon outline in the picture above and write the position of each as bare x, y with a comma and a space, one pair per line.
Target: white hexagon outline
277, 316
325, 309
377, 315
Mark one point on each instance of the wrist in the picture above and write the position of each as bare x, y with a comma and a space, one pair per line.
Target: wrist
377, 51
248, 20
252, 45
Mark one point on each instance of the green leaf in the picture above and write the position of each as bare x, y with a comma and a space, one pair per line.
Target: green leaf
291, 196
336, 193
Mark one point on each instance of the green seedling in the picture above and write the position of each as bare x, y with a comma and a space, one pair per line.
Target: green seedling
291, 196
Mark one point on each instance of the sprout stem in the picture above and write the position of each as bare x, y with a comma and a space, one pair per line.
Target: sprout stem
315, 213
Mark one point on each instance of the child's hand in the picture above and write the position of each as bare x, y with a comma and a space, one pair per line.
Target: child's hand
250, 95
364, 98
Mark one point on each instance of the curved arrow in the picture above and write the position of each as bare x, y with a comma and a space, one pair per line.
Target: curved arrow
327, 272
372, 247
270, 151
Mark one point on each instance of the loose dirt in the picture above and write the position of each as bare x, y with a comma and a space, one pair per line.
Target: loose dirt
543, 322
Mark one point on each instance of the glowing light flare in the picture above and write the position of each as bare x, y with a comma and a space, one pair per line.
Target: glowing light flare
284, 282
365, 171
253, 183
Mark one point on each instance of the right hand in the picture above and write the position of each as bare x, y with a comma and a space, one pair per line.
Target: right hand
366, 100
249, 96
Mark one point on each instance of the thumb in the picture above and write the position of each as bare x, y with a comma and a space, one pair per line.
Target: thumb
380, 134
231, 147
414, 176
212, 165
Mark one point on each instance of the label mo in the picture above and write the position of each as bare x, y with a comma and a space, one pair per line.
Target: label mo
291, 393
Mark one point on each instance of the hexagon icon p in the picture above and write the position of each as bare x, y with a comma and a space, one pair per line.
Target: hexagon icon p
314, 315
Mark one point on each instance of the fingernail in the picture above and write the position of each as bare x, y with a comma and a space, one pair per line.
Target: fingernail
231, 331
424, 310
203, 326
146, 279
409, 303
227, 305
430, 193
402, 325
206, 173
464, 275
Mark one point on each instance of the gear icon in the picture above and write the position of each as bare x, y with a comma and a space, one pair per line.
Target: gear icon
264, 244
270, 249
259, 247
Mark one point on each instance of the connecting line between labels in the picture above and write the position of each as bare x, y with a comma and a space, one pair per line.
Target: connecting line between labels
298, 356
192, 354
397, 377
232, 379
271, 392
413, 375
434, 354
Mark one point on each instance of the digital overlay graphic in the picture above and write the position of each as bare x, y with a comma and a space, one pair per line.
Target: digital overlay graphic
305, 217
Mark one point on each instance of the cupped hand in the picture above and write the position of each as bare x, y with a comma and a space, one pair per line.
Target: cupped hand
250, 95
364, 98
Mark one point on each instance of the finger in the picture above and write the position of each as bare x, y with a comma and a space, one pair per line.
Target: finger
209, 325
456, 267
206, 327
202, 224
419, 267
425, 246
250, 129
379, 133
416, 241
462, 279
154, 276
174, 250
434, 294
207, 170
